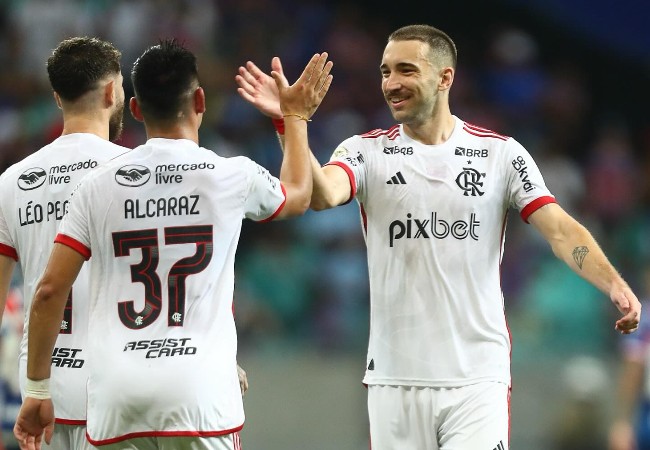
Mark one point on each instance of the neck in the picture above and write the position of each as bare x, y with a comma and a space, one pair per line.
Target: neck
87, 123
433, 131
174, 131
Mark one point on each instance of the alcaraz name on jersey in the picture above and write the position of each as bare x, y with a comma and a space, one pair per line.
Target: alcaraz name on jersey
163, 242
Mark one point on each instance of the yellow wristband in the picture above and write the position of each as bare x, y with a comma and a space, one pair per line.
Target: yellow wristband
306, 119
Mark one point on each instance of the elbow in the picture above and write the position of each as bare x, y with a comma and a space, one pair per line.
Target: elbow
301, 208
322, 202
318, 204
45, 293
296, 205
45, 298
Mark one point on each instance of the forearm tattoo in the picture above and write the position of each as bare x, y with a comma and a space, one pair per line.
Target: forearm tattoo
579, 255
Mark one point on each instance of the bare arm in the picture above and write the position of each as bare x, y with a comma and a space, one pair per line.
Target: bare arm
47, 308
331, 186
572, 243
36, 415
622, 433
7, 265
243, 379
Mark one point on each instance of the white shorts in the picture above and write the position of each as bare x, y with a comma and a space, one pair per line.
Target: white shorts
415, 418
66, 437
226, 442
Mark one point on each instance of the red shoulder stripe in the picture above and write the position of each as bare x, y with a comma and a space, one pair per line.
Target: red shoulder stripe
483, 132
392, 133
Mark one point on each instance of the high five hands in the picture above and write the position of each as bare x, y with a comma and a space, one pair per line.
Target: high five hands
267, 92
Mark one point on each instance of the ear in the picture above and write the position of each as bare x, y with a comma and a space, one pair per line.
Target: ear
109, 93
199, 100
57, 99
135, 110
446, 79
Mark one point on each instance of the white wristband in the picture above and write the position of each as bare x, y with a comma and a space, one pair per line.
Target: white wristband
39, 390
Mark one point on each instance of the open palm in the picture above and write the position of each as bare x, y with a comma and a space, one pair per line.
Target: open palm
260, 89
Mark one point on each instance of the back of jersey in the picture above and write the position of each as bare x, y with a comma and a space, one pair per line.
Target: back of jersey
34, 198
163, 242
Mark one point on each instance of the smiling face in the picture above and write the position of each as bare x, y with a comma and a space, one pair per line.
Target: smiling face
415, 85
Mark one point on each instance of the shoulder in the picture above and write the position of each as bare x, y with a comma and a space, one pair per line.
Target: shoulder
391, 133
480, 132
374, 139
476, 138
32, 169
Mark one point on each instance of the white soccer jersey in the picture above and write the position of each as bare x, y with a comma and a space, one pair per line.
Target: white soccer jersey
162, 223
434, 218
33, 199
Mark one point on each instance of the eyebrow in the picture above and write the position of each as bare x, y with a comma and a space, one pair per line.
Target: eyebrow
400, 65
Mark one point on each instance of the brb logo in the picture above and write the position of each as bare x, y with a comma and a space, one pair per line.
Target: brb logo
396, 150
435, 227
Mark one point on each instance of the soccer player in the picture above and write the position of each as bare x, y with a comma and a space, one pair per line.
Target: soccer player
434, 192
85, 76
162, 223
630, 429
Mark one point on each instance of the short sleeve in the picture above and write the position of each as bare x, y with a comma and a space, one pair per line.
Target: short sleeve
350, 156
266, 196
74, 230
7, 247
527, 190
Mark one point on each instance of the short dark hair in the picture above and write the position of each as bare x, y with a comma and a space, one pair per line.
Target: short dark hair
77, 64
162, 77
441, 44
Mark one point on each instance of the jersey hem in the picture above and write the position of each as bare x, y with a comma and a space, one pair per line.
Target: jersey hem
435, 383
73, 422
175, 433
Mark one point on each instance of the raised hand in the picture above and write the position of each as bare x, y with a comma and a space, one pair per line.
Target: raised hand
302, 98
259, 89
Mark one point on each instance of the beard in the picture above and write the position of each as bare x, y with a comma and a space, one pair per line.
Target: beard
116, 123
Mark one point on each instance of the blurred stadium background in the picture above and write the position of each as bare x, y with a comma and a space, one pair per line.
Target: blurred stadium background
569, 80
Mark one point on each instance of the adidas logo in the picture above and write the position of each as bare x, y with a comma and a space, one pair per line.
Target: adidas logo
397, 179
499, 446
371, 366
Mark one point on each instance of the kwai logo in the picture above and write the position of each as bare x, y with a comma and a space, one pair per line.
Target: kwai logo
519, 164
32, 178
132, 175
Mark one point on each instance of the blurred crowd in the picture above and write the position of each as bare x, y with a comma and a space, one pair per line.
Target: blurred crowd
304, 282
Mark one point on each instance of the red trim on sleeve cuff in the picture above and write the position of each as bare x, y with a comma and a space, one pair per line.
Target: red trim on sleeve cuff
73, 244
535, 205
8, 251
353, 183
277, 211
279, 125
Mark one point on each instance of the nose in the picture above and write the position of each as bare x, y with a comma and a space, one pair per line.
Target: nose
391, 82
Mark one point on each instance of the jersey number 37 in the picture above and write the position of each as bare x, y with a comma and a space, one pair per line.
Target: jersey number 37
145, 271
